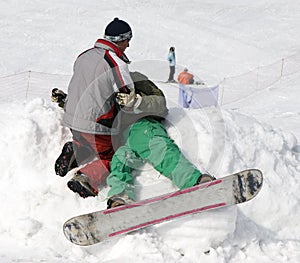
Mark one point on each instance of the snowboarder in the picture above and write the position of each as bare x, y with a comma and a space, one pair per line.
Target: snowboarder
148, 141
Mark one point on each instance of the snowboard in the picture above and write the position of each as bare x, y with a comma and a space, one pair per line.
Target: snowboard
95, 227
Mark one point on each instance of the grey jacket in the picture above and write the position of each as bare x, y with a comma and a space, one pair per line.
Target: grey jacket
99, 73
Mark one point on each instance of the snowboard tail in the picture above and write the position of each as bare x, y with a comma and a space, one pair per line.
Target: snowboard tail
98, 226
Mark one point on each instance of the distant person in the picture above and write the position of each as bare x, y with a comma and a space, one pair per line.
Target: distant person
185, 77
172, 64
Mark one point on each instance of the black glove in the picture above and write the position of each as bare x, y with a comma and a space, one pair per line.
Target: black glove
59, 97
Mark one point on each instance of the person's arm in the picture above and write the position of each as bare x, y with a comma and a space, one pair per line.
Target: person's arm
147, 98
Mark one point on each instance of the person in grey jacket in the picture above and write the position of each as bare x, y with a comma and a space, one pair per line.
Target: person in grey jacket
101, 78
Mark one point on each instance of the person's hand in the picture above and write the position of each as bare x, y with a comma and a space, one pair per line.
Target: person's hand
127, 100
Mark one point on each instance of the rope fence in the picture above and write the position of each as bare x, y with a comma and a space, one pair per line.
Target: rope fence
239, 87
30, 84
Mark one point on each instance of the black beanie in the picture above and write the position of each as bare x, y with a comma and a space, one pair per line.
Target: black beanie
117, 30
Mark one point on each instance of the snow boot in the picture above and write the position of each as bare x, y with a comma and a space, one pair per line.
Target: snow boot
80, 184
205, 178
66, 161
118, 200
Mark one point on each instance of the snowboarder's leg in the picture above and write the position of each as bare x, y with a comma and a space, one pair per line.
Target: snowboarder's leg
120, 179
150, 141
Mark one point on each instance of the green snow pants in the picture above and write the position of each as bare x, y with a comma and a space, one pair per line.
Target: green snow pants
148, 141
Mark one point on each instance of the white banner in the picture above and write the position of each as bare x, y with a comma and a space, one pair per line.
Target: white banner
196, 97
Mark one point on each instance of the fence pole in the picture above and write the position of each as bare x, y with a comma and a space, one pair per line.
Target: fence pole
28, 84
223, 87
282, 63
257, 78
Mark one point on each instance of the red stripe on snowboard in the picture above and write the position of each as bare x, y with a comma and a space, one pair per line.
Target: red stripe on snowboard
156, 221
155, 199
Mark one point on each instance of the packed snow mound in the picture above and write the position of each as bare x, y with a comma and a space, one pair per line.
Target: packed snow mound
37, 202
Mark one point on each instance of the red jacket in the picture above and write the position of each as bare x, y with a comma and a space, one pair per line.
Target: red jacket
185, 78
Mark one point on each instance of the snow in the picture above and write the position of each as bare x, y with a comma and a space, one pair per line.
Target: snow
215, 39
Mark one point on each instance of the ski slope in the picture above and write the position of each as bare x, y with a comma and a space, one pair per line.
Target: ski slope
215, 39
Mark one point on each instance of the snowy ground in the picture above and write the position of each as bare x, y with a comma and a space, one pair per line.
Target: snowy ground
215, 39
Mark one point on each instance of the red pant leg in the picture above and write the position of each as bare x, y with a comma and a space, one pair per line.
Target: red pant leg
98, 170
